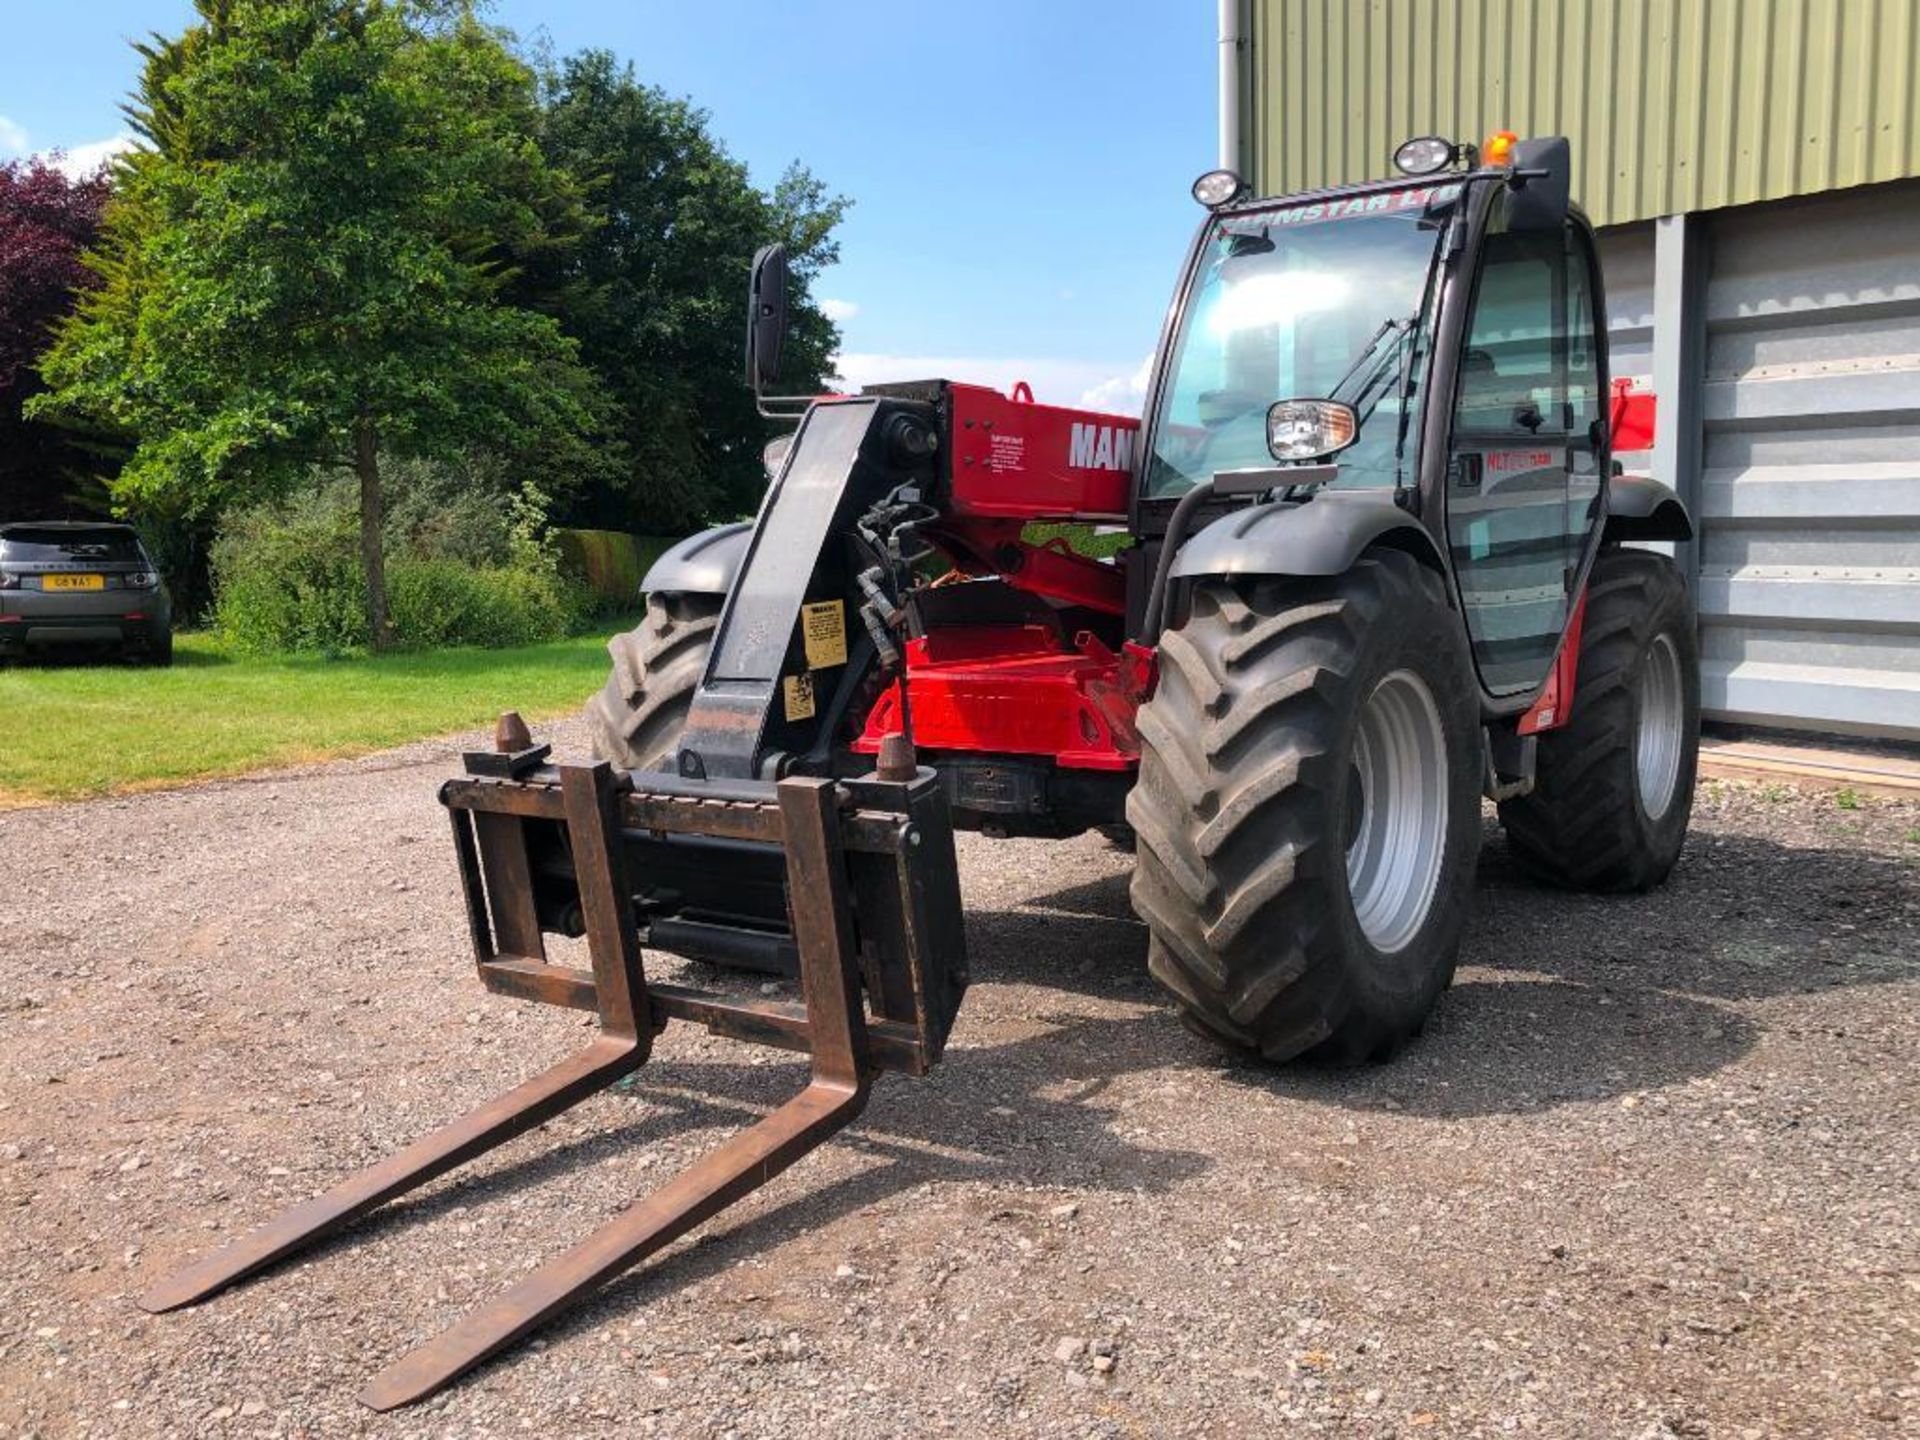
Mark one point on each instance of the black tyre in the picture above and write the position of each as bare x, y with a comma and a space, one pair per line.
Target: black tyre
1614, 789
636, 719
1308, 810
161, 653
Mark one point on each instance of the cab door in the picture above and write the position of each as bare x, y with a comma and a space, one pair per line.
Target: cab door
1525, 454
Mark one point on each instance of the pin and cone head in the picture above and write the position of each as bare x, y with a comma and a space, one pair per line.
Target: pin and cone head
897, 759
510, 733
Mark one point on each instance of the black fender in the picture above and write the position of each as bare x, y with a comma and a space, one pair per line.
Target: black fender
702, 564
1321, 536
1639, 507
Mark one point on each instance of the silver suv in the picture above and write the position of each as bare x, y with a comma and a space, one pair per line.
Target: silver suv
69, 582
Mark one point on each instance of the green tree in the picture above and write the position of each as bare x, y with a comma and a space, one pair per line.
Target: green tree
655, 293
307, 268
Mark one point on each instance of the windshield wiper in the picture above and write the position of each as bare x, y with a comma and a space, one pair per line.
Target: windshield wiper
1363, 386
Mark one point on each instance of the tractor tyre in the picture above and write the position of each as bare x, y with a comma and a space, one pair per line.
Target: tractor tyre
636, 719
1308, 810
1613, 790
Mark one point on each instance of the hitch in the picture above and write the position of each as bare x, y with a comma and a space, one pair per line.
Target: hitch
873, 905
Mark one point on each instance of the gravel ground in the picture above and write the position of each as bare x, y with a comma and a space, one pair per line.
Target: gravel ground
1650, 1173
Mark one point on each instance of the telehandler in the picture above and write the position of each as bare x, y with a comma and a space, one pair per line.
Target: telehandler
1378, 564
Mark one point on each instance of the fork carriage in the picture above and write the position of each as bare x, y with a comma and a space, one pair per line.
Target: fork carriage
873, 918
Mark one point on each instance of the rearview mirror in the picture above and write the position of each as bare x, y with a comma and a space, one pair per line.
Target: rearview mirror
766, 315
1540, 185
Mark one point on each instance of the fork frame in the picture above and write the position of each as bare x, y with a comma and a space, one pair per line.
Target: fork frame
815, 821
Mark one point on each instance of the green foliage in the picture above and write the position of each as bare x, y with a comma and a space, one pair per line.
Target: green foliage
609, 564
654, 293
1082, 539
441, 603
288, 579
308, 267
1847, 798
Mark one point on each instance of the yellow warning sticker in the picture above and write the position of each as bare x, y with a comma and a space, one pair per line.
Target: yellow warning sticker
797, 691
824, 628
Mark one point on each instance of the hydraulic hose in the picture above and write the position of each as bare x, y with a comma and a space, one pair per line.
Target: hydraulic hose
1170, 543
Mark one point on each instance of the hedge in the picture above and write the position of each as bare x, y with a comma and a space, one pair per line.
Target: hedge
610, 563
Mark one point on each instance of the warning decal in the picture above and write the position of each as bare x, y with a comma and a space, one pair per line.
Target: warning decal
797, 691
823, 625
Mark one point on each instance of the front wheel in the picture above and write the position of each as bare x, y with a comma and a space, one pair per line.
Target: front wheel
1613, 789
637, 717
1308, 810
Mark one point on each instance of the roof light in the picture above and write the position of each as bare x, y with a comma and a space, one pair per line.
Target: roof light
1425, 154
1218, 187
1499, 147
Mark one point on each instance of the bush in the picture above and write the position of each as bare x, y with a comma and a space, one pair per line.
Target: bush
287, 575
438, 603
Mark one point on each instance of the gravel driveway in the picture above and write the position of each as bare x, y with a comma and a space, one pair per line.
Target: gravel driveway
1651, 1172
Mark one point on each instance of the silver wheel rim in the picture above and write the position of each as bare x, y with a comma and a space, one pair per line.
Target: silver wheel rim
1657, 738
1398, 787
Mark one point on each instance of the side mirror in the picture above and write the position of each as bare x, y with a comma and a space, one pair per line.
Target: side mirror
1540, 185
766, 315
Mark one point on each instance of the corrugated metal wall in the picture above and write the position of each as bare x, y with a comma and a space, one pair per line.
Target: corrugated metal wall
1809, 504
1672, 105
1810, 490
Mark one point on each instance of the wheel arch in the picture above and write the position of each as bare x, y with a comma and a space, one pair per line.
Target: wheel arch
1323, 536
703, 564
1639, 507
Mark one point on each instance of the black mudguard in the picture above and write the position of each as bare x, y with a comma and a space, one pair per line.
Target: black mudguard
1321, 536
702, 564
1639, 507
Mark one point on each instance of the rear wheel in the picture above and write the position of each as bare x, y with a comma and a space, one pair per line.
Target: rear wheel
1613, 790
636, 719
1307, 810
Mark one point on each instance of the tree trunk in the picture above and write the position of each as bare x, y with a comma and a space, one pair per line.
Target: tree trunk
373, 560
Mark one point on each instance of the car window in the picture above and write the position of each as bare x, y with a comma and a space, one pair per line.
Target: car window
60, 547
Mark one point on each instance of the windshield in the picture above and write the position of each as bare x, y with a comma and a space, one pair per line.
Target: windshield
1324, 300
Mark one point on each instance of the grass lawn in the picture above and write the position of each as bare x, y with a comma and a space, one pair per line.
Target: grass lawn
76, 730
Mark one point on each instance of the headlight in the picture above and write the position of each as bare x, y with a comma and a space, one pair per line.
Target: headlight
1310, 429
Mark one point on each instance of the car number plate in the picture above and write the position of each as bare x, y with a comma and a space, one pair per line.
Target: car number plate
73, 582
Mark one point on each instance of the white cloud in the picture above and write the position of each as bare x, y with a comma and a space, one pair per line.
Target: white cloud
82, 160
839, 310
13, 137
1121, 394
1054, 381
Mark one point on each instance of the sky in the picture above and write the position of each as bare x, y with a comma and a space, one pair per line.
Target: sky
1019, 171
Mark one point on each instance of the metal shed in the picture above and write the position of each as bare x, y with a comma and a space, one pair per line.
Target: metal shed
1751, 163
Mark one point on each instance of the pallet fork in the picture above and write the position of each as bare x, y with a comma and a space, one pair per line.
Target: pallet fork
873, 905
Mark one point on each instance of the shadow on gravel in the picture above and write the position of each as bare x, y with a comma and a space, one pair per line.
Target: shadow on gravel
1742, 918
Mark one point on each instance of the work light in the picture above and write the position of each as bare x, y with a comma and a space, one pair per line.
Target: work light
1218, 187
1424, 155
